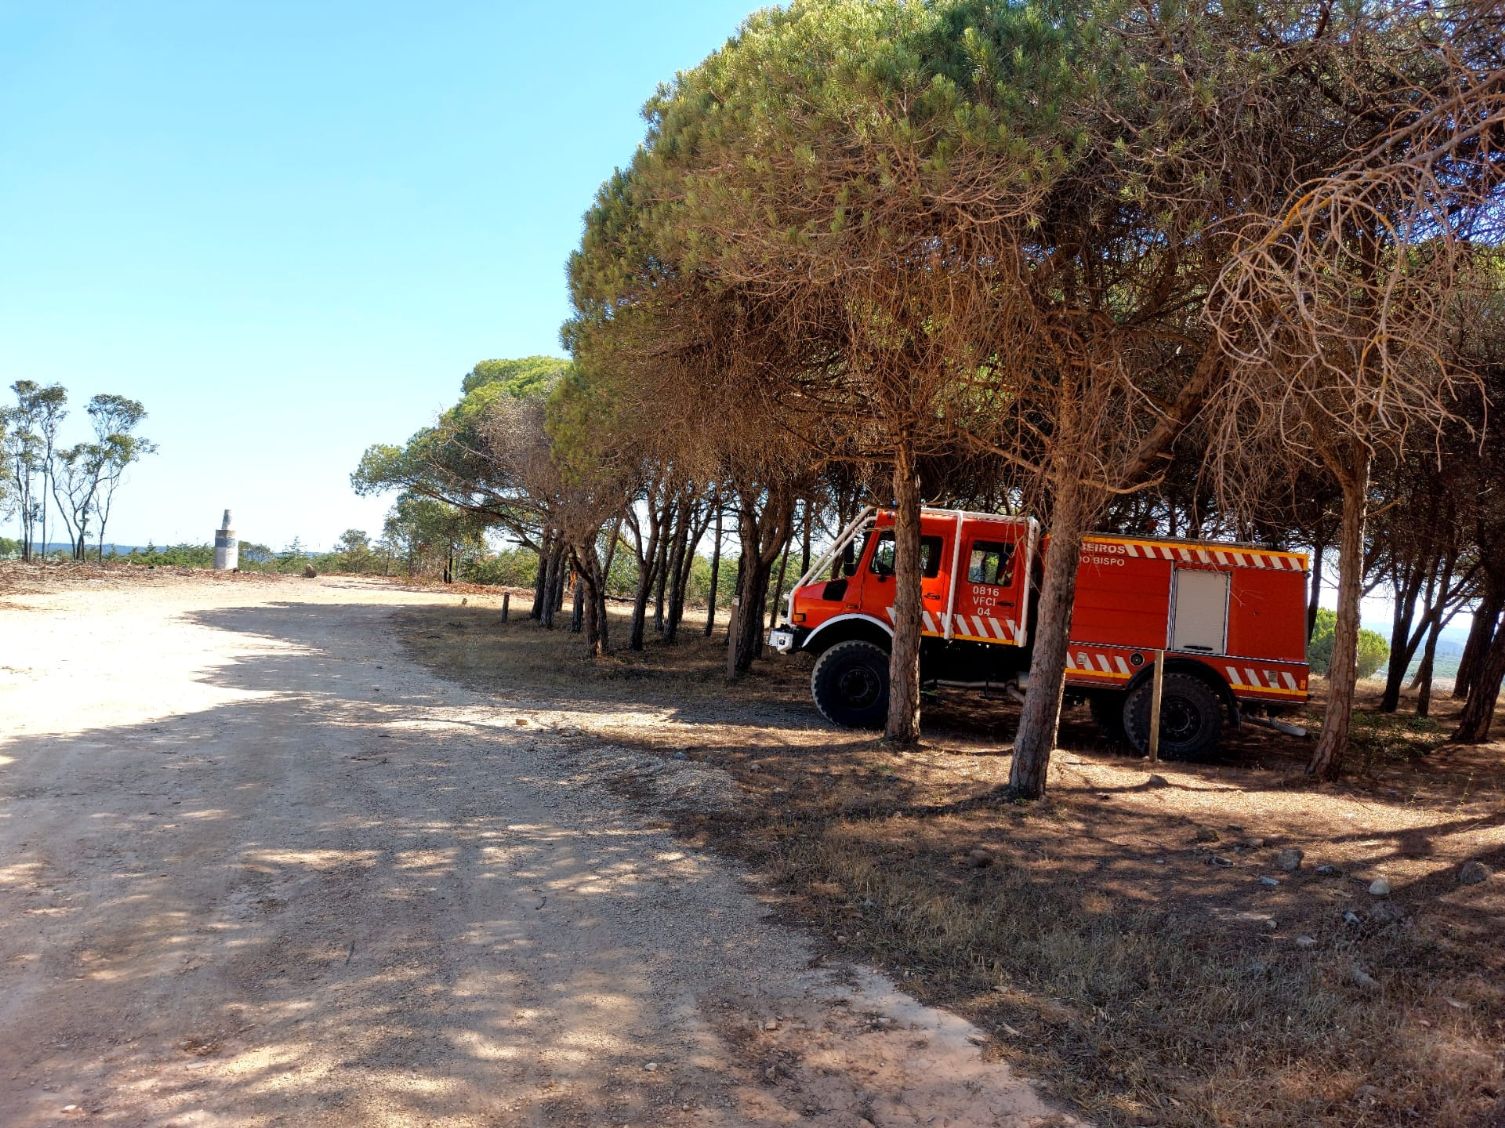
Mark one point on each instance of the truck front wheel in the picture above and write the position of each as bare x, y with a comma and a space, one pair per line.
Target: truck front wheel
850, 684
1191, 717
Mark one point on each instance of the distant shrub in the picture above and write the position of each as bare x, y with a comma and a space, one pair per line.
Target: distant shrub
171, 556
1374, 651
512, 567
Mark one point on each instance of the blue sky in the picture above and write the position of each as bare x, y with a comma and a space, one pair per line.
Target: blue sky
289, 229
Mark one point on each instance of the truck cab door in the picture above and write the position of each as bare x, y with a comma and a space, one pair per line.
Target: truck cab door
934, 581
991, 585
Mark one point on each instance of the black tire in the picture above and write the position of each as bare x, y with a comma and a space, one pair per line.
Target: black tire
1191, 717
1108, 716
850, 684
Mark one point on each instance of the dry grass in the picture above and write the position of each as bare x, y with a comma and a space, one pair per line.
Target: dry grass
1106, 941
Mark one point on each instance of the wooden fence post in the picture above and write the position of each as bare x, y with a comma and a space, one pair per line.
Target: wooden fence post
506, 605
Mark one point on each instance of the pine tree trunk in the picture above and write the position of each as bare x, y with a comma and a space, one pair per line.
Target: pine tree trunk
1401, 650
1479, 710
1041, 715
577, 610
1342, 675
805, 537
1423, 683
675, 591
778, 585
541, 579
644, 592
679, 591
761, 537
661, 567
590, 600
710, 611
1314, 596
746, 627
553, 584
1478, 641
903, 725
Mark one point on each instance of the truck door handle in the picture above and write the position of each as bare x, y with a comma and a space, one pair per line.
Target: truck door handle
934, 597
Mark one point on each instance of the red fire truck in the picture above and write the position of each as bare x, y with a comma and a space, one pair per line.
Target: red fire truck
1230, 619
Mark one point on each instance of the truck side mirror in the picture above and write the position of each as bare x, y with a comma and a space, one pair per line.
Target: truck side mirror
849, 560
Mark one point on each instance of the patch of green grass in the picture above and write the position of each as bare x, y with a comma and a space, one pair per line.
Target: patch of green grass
1386, 739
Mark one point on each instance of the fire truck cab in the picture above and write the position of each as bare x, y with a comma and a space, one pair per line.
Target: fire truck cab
1230, 620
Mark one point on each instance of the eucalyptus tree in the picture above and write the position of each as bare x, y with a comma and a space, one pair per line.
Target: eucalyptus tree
83, 478
114, 419
30, 434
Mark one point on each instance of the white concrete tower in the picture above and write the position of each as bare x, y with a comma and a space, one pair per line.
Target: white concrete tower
226, 547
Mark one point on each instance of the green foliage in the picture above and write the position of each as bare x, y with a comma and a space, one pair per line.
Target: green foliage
1374, 651
254, 556
521, 378
171, 556
456, 462
511, 567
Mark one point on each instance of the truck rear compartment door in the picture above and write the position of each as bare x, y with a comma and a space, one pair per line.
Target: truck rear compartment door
1199, 618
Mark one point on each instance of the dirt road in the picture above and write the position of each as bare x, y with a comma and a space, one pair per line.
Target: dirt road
257, 868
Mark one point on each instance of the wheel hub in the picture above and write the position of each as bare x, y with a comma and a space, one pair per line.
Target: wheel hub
1178, 720
859, 686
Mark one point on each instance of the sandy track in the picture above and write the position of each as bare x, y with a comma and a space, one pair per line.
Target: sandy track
257, 868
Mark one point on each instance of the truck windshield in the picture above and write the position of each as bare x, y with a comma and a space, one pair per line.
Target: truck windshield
883, 555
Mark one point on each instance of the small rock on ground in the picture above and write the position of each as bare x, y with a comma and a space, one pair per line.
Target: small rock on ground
1306, 941
1473, 873
1379, 887
1289, 859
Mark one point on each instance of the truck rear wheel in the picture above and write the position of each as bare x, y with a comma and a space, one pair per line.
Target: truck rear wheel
1191, 717
850, 684
1108, 715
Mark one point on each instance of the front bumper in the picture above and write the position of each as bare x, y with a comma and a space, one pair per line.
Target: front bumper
783, 640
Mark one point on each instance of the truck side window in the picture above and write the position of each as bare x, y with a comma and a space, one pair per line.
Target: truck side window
991, 563
883, 556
